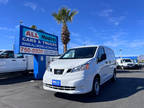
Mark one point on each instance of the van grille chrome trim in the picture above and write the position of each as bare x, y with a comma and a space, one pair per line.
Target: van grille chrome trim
58, 71
60, 87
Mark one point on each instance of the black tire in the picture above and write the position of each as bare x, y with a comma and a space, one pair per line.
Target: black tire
26, 73
114, 76
118, 67
96, 87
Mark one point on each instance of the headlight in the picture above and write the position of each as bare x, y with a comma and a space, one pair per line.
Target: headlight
79, 68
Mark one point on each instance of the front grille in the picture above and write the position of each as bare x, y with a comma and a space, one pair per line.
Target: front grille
58, 71
60, 87
130, 64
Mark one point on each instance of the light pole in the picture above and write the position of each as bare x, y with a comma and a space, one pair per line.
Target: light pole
120, 53
21, 22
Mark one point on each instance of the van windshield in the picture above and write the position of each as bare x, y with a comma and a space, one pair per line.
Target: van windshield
127, 60
79, 53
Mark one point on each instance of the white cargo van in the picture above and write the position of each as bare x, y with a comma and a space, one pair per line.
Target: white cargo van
125, 63
81, 70
10, 62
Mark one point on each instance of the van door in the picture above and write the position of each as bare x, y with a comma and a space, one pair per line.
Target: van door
102, 64
20, 62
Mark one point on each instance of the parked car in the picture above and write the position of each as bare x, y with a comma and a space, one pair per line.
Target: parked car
123, 63
81, 70
10, 62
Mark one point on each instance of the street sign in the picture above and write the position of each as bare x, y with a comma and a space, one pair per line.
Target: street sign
31, 41
38, 43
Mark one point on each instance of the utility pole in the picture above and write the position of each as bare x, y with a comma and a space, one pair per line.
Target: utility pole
120, 53
21, 22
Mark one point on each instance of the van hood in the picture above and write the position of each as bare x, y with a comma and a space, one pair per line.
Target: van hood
67, 63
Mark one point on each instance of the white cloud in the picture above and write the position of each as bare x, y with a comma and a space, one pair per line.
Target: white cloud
118, 41
8, 29
116, 20
136, 43
73, 44
31, 5
17, 26
93, 29
75, 34
11, 37
79, 40
108, 13
3, 1
115, 43
34, 6
89, 42
42, 10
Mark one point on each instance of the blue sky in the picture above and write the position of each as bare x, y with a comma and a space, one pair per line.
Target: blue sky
118, 24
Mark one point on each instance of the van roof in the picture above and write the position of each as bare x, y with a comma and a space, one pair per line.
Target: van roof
86, 46
90, 46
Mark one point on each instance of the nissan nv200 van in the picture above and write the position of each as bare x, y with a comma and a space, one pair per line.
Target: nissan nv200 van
81, 70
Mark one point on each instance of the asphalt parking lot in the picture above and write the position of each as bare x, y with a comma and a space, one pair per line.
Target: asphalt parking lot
18, 91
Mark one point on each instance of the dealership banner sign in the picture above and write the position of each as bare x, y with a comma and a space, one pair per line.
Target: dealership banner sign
31, 41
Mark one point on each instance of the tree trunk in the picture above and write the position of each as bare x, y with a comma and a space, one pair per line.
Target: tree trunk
65, 47
65, 36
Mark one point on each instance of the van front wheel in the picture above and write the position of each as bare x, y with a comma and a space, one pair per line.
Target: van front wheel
96, 87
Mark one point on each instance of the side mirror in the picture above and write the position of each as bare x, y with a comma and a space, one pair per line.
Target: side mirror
103, 57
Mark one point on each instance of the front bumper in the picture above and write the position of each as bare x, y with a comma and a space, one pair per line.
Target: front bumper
74, 83
129, 66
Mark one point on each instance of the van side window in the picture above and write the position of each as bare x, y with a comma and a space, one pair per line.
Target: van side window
101, 54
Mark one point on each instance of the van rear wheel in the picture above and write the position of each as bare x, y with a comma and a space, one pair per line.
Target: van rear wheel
96, 87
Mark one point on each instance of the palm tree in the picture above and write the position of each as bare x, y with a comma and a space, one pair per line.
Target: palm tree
62, 17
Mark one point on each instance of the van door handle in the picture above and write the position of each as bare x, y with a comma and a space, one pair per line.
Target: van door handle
24, 60
13, 60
